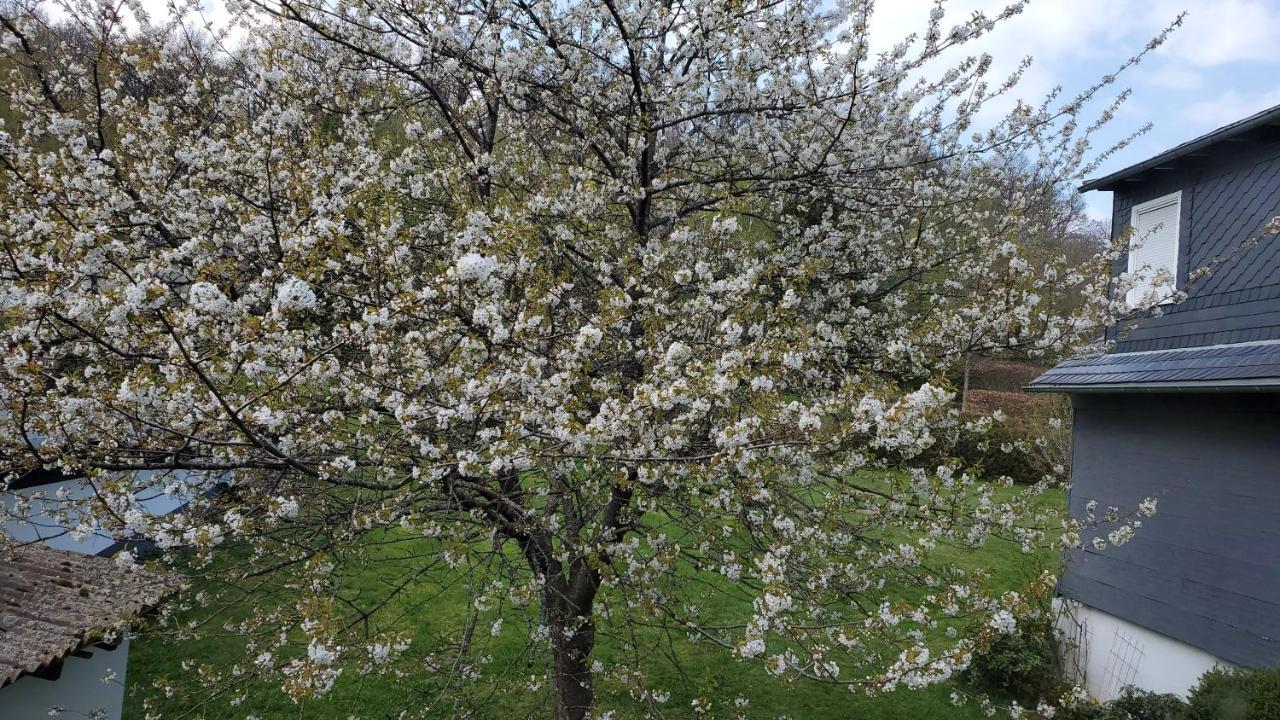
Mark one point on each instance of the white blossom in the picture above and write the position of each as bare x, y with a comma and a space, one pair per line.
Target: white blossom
1147, 508
1003, 622
482, 300
320, 654
474, 266
294, 294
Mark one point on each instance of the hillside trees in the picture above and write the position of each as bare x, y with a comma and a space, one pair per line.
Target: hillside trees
592, 306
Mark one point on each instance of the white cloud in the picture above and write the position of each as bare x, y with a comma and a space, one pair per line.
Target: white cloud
1226, 31
1063, 33
1214, 33
1060, 36
211, 13
1206, 75
1049, 30
1229, 106
1097, 206
1169, 77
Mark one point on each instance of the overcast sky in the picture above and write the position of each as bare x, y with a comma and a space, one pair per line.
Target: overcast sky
1223, 64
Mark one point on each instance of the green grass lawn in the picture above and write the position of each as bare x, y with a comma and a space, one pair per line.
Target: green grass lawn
688, 670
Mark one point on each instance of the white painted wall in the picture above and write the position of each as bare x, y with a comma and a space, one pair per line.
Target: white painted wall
80, 690
43, 525
1110, 653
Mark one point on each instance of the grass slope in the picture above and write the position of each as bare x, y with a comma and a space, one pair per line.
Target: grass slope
688, 670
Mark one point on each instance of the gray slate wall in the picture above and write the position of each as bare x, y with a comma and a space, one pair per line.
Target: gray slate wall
1228, 196
1206, 569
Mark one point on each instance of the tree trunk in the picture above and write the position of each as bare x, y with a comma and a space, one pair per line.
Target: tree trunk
573, 636
567, 601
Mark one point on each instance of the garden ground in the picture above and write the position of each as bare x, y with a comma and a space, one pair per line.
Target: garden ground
689, 671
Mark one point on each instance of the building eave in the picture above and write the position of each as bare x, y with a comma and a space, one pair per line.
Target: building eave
1239, 367
1270, 116
56, 602
1214, 386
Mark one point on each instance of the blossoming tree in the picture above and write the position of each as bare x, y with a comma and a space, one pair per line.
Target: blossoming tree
592, 308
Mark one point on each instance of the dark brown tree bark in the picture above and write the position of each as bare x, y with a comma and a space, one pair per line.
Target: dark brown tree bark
568, 598
573, 635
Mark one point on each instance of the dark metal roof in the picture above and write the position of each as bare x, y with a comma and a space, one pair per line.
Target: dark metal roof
1244, 366
1270, 116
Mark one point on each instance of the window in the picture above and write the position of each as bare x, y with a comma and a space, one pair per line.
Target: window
1155, 232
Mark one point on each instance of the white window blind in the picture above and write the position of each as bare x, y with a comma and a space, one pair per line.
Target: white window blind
1154, 245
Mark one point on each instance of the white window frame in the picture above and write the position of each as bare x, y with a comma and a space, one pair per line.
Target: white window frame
1173, 198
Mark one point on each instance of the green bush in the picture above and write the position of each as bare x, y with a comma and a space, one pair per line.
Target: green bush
1135, 704
1022, 664
1225, 694
997, 452
1032, 441
1023, 667
1010, 449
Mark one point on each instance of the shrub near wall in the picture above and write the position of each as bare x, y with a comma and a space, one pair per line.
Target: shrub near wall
1030, 439
1236, 695
1136, 704
1220, 694
1022, 665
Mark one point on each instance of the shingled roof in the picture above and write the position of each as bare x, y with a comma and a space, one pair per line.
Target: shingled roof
55, 602
1242, 366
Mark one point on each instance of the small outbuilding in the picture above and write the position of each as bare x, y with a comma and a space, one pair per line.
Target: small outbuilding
63, 617
1184, 407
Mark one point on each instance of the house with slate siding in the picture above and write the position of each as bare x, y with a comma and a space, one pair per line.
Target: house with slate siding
1184, 407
